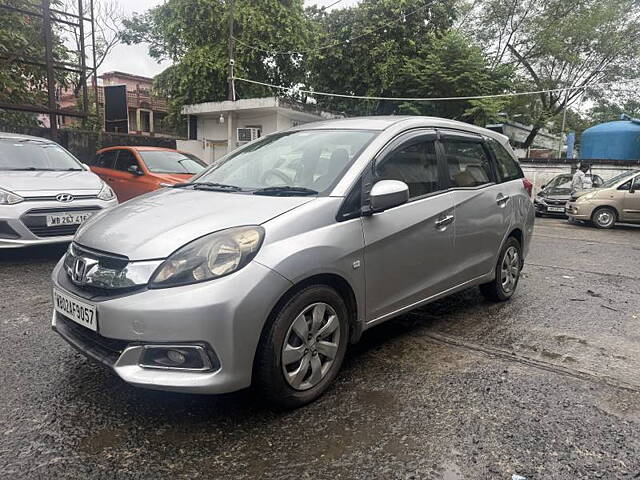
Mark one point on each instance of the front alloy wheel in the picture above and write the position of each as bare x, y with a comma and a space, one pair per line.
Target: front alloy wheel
604, 217
310, 346
302, 347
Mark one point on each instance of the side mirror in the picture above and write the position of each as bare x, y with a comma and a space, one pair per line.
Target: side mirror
387, 194
135, 170
543, 187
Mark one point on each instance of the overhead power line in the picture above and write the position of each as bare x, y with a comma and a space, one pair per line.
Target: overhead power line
272, 51
426, 99
329, 6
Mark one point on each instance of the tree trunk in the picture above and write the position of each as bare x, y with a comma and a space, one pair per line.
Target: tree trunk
532, 135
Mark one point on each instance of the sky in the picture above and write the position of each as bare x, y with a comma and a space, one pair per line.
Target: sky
135, 58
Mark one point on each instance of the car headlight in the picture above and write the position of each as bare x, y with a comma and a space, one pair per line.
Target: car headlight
212, 256
9, 198
540, 200
106, 193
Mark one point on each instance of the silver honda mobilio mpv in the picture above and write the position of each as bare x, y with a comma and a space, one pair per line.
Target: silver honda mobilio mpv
263, 268
45, 192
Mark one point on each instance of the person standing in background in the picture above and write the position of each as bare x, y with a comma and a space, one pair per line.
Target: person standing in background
580, 180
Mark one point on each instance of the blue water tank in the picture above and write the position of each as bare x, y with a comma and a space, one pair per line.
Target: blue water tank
615, 140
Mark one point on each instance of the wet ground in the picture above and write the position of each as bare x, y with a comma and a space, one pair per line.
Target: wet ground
546, 386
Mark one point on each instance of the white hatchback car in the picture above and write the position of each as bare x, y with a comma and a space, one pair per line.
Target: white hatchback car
45, 192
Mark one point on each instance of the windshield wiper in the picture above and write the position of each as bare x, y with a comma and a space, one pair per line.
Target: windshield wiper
212, 186
285, 190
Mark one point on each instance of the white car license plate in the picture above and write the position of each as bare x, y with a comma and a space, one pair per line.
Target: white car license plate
80, 312
556, 209
67, 218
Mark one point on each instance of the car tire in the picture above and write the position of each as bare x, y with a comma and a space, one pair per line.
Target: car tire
289, 385
507, 273
604, 217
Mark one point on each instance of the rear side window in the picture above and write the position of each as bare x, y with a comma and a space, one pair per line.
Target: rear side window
125, 160
467, 163
507, 167
414, 164
105, 159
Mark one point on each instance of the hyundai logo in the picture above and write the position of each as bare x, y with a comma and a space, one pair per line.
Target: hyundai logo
64, 197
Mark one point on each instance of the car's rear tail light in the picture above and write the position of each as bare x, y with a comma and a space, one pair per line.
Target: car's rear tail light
528, 186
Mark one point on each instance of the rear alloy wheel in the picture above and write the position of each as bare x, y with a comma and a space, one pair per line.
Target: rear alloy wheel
507, 273
604, 217
303, 350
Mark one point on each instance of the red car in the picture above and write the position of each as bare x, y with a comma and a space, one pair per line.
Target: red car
132, 171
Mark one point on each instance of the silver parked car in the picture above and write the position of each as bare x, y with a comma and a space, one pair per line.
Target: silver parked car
45, 193
266, 266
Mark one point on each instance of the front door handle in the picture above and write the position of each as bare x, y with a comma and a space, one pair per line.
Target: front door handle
443, 222
502, 200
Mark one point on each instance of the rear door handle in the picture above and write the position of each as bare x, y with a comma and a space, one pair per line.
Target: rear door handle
443, 222
502, 199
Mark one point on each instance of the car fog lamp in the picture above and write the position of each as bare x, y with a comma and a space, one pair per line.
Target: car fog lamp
175, 357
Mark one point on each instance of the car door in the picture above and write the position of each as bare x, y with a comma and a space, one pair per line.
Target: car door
126, 183
631, 202
482, 207
409, 248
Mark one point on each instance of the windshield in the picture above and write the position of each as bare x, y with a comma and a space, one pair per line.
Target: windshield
309, 159
561, 181
611, 182
33, 154
163, 161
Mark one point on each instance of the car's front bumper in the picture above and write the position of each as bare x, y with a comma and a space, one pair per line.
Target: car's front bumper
577, 211
24, 224
547, 209
226, 314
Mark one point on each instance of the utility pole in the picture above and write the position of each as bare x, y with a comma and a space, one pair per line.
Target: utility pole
564, 122
51, 81
232, 87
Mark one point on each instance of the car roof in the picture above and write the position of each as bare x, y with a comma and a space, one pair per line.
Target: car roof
386, 121
17, 136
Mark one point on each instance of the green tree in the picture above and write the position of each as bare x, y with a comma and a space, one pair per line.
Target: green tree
193, 35
559, 44
398, 55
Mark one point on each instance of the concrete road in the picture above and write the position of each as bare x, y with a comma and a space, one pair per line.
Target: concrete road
546, 386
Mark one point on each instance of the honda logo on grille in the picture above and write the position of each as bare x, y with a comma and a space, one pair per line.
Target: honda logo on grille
64, 197
81, 269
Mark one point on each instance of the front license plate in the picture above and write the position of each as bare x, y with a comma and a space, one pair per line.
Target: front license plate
556, 209
80, 312
67, 218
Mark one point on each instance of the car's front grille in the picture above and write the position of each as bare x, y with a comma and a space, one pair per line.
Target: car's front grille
52, 198
556, 202
36, 221
103, 349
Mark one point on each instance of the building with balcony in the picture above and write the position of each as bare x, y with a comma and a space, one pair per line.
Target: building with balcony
146, 110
